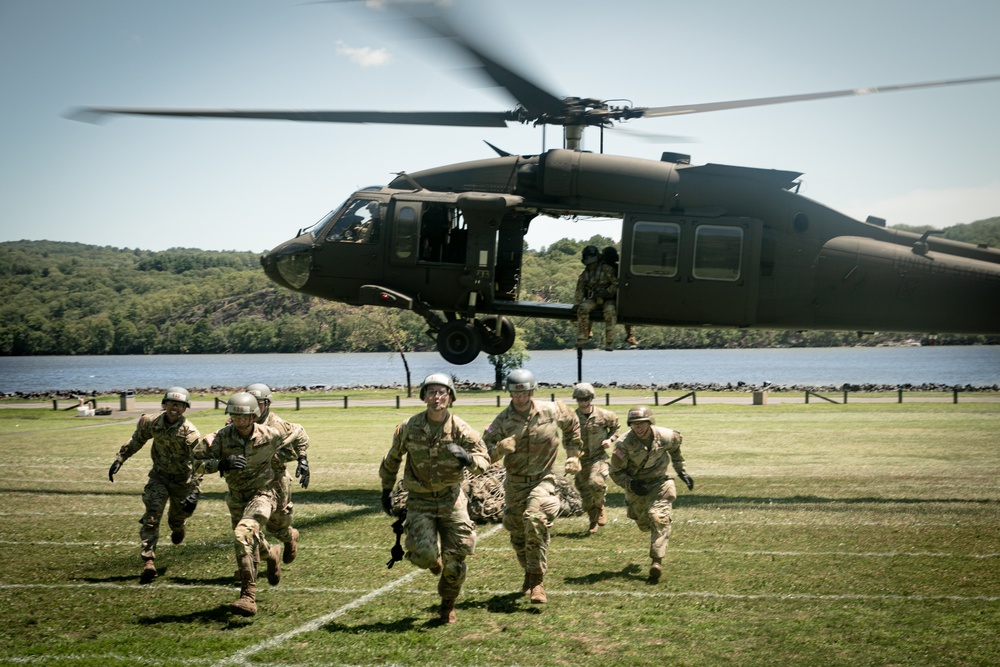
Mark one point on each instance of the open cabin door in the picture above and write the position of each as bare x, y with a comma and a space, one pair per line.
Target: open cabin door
689, 271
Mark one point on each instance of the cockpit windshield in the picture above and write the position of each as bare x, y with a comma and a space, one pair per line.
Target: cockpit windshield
314, 229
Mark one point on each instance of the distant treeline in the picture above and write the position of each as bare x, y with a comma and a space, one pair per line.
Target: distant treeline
72, 298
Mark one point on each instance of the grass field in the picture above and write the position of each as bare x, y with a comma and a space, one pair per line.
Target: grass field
860, 534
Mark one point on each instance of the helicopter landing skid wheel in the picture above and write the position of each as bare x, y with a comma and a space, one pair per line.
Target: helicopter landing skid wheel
458, 342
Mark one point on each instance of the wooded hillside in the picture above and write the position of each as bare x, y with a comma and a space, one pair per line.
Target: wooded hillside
73, 298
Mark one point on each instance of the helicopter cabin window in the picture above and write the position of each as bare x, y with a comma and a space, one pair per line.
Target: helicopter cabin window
655, 246
717, 252
405, 246
443, 234
360, 222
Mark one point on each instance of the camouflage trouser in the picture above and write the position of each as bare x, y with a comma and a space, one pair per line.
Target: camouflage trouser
440, 525
592, 483
583, 320
651, 514
248, 514
528, 516
159, 489
279, 526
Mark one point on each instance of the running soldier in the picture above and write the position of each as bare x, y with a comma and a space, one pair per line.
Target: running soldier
438, 446
599, 430
279, 526
526, 436
639, 465
172, 476
242, 451
597, 287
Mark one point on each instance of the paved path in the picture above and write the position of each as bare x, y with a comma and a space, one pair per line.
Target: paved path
736, 398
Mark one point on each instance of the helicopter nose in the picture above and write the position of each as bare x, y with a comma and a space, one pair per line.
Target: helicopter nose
288, 264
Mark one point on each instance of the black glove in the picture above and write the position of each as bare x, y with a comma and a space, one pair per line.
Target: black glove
302, 471
189, 503
113, 470
686, 478
463, 456
387, 501
638, 487
233, 462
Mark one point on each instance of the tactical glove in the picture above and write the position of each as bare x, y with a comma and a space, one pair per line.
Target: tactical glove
459, 453
113, 470
573, 466
506, 446
387, 501
233, 462
686, 478
638, 487
302, 471
189, 503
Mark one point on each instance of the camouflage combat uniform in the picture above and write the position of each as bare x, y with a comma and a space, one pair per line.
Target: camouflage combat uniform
649, 462
597, 287
279, 525
251, 495
435, 503
172, 476
591, 481
529, 488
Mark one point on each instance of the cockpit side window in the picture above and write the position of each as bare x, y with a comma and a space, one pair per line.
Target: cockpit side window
360, 222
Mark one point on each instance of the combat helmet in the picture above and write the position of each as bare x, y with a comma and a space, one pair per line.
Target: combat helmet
590, 255
179, 394
640, 413
610, 255
260, 391
521, 379
442, 379
583, 390
243, 403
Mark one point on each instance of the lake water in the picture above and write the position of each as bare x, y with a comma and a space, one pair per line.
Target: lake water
977, 366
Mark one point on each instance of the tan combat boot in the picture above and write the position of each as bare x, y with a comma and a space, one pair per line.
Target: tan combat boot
602, 518
655, 570
291, 548
446, 612
274, 565
593, 514
247, 604
148, 572
537, 590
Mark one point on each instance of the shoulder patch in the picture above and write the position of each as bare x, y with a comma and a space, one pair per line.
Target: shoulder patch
619, 452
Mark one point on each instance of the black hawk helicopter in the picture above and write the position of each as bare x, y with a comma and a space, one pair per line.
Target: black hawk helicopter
702, 245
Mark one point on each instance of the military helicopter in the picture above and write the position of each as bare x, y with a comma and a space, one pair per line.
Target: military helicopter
702, 245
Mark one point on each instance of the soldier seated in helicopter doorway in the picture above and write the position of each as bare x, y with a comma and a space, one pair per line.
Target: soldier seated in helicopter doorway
597, 287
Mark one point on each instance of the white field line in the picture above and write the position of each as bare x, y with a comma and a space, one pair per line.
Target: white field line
240, 657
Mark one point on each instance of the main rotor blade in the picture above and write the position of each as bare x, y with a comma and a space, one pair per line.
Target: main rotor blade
530, 95
448, 118
653, 112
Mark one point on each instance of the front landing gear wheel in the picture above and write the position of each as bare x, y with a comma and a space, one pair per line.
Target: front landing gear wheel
459, 342
496, 338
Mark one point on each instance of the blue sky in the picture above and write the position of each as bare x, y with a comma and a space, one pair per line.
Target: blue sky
924, 157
